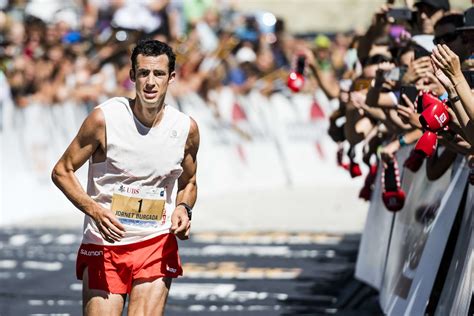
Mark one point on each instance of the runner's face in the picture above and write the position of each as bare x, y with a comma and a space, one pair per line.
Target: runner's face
151, 76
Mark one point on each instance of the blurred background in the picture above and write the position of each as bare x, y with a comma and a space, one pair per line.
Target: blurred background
278, 214
264, 148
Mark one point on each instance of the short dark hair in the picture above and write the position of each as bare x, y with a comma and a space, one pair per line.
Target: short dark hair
149, 47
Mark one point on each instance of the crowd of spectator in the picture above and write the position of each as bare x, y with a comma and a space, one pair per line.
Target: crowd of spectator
384, 78
79, 50
411, 84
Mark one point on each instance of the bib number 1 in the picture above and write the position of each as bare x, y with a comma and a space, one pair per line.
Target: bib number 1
146, 209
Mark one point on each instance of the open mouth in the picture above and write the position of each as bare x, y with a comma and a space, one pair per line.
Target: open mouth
150, 94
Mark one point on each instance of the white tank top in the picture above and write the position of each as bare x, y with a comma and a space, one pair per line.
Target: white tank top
138, 179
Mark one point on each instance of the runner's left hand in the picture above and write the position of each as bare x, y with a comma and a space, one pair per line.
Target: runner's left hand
180, 223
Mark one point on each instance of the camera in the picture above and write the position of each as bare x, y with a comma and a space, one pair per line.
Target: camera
411, 92
400, 14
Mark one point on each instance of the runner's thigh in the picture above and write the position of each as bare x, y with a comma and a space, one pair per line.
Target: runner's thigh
149, 297
99, 302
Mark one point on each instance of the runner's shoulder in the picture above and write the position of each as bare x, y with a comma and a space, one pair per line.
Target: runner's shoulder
97, 116
193, 128
193, 136
96, 119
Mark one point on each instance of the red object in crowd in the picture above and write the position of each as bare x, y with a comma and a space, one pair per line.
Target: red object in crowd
394, 200
238, 113
339, 159
428, 99
427, 143
435, 117
393, 196
414, 161
366, 191
425, 147
295, 81
316, 112
354, 169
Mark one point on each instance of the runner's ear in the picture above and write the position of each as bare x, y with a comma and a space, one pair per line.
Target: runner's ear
132, 74
172, 77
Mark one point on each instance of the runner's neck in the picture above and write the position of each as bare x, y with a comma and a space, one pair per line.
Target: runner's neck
149, 117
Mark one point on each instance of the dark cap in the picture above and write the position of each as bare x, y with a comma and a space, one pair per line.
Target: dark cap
437, 4
468, 20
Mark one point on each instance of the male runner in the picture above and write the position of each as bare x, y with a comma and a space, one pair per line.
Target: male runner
141, 188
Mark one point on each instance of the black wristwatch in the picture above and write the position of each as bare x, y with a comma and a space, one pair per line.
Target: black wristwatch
188, 208
454, 99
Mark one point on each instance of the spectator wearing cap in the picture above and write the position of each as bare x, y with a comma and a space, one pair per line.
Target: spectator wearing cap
322, 52
242, 77
446, 33
148, 16
467, 34
428, 13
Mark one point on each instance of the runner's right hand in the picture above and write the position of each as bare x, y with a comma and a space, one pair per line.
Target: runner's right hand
109, 226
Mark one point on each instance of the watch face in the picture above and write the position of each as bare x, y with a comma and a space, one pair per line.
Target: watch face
188, 208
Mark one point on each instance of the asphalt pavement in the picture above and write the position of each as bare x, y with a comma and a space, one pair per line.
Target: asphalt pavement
226, 273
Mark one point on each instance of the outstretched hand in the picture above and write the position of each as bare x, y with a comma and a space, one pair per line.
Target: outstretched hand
441, 76
446, 60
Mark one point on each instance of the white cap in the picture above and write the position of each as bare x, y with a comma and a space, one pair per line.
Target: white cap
245, 54
67, 16
43, 9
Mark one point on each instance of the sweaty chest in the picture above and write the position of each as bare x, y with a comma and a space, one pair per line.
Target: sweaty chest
157, 153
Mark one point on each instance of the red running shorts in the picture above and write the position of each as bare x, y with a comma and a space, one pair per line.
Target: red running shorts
114, 268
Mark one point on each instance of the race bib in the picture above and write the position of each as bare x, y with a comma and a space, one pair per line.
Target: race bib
143, 207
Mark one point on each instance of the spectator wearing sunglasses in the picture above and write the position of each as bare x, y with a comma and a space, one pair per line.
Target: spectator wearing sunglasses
446, 33
428, 13
467, 34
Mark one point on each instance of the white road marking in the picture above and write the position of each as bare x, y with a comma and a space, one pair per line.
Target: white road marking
46, 238
67, 239
8, 264
45, 266
18, 240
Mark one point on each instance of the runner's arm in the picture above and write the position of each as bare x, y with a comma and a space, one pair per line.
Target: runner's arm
89, 139
187, 187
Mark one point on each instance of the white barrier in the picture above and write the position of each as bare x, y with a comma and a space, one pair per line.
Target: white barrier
459, 288
405, 260
270, 143
370, 267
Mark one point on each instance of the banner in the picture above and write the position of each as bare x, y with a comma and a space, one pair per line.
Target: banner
419, 236
459, 285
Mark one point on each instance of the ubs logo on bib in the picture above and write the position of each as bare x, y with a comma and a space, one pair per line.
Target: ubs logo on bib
129, 190
173, 133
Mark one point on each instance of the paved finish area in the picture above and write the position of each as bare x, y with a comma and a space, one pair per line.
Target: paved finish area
225, 274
